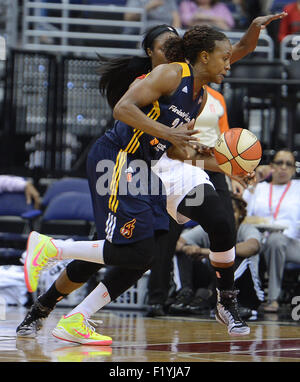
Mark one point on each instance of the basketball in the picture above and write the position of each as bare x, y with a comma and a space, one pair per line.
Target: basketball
238, 151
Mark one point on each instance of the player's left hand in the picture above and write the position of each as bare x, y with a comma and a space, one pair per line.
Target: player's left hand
245, 180
202, 149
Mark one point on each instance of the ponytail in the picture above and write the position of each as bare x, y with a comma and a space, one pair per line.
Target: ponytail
116, 74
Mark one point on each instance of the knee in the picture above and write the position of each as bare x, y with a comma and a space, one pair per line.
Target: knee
217, 217
139, 255
275, 241
221, 228
145, 257
79, 271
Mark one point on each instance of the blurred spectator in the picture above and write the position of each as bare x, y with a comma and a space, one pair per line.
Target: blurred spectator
18, 184
100, 28
277, 203
276, 6
157, 12
120, 3
249, 10
290, 24
209, 12
192, 256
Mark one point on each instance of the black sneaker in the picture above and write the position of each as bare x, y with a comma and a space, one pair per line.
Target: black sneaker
33, 320
183, 298
227, 313
155, 310
201, 303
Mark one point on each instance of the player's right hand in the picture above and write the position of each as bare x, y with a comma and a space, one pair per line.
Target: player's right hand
183, 135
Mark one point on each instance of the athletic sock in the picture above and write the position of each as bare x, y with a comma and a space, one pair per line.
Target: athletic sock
98, 298
223, 264
51, 297
80, 250
225, 277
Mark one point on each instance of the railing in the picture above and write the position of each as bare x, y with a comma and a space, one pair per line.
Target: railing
8, 19
265, 45
79, 30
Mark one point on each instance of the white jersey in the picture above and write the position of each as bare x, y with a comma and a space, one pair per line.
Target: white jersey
213, 120
288, 205
179, 178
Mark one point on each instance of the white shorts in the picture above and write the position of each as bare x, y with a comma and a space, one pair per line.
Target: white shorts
179, 178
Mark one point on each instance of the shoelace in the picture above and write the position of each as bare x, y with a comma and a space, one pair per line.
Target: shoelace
229, 301
91, 325
46, 264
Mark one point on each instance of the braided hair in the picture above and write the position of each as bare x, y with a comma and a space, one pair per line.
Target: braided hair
194, 41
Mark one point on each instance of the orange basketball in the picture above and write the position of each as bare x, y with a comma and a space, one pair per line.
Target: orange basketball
237, 151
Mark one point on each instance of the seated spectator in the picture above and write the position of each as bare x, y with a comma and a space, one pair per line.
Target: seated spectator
291, 23
278, 203
209, 12
157, 12
18, 184
193, 277
249, 10
195, 243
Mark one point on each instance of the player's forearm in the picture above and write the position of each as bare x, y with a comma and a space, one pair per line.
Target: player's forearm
247, 43
193, 157
134, 117
209, 162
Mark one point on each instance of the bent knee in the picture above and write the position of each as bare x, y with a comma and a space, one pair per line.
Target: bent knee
276, 239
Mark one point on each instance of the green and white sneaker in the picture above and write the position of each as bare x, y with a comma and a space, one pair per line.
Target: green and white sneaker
76, 328
40, 249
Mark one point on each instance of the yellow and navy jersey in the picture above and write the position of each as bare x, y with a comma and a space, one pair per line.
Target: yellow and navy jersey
172, 111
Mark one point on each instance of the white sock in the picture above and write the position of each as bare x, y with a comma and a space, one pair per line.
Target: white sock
80, 250
93, 302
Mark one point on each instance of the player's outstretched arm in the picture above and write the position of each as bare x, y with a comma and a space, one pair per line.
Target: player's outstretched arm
248, 42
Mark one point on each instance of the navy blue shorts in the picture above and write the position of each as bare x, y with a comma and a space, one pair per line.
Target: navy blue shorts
121, 215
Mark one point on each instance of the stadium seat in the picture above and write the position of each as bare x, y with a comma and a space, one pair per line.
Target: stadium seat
259, 96
16, 219
65, 185
293, 102
69, 215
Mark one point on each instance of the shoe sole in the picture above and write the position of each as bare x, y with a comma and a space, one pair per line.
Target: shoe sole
233, 334
63, 335
21, 334
32, 242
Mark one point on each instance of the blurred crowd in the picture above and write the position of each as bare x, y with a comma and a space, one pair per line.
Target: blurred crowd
227, 15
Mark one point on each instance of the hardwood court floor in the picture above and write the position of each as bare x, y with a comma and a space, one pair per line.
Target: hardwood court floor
140, 339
